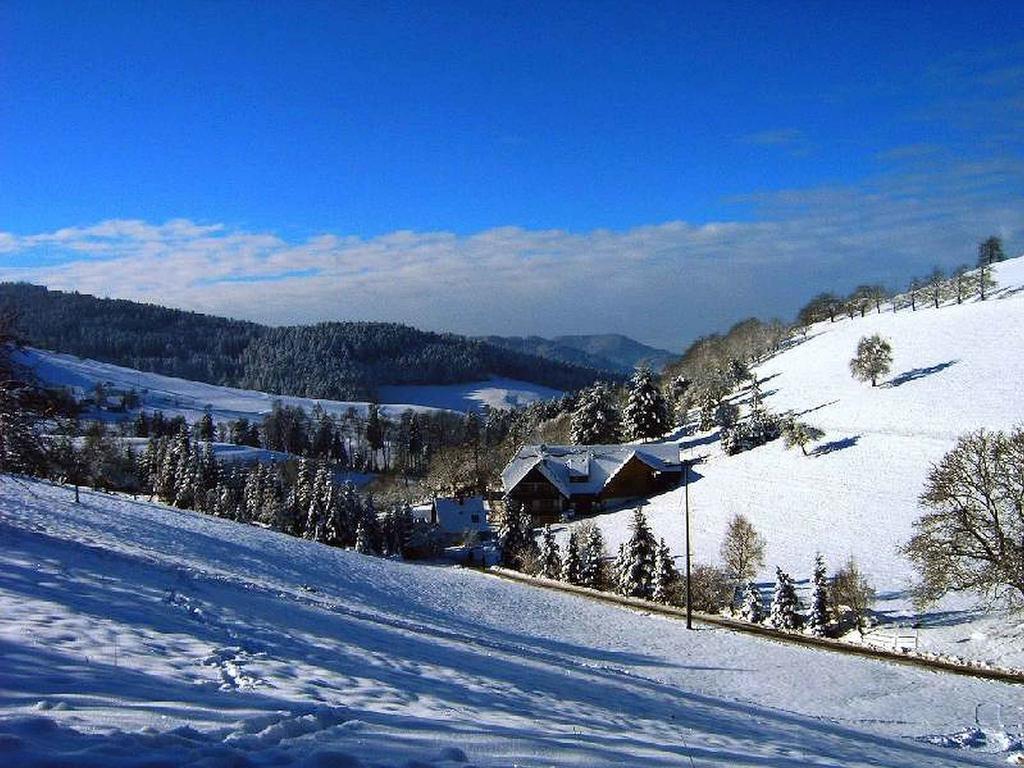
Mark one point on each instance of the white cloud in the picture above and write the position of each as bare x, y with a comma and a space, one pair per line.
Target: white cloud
661, 283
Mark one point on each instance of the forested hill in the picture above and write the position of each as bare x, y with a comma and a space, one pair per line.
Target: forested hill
331, 360
607, 352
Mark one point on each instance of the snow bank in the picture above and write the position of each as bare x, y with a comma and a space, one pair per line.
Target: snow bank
134, 634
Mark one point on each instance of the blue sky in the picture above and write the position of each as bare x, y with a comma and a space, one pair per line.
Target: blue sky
656, 169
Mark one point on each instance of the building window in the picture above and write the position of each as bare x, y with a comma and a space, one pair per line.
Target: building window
475, 518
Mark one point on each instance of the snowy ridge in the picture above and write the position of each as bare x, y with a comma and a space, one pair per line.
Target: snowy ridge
137, 634
955, 369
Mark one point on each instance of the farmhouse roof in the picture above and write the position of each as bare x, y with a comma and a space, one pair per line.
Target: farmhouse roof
586, 469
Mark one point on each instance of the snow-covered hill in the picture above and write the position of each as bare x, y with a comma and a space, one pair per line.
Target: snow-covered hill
134, 634
955, 369
176, 396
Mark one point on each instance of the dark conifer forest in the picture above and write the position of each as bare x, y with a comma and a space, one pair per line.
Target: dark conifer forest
339, 360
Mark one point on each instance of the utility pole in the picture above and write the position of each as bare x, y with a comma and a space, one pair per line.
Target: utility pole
686, 497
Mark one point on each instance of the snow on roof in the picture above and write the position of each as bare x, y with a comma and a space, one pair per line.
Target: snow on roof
585, 469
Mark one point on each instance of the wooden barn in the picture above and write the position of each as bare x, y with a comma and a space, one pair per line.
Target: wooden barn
557, 481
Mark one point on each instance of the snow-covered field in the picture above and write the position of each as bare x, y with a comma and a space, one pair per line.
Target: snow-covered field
955, 369
190, 399
134, 634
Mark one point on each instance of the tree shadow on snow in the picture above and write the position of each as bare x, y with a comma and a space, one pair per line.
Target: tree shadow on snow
815, 408
918, 373
835, 445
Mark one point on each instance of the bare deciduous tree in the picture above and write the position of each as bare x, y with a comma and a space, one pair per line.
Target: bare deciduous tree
742, 549
972, 536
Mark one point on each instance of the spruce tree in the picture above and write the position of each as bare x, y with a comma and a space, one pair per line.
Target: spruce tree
595, 420
363, 544
817, 621
204, 428
550, 557
753, 605
516, 536
665, 575
785, 610
635, 565
592, 554
645, 416
572, 564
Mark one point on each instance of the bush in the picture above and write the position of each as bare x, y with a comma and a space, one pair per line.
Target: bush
850, 598
712, 588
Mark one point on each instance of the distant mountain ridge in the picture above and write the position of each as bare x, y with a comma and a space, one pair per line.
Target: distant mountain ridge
336, 360
610, 352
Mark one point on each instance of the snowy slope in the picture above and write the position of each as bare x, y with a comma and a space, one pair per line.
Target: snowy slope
176, 396
134, 634
955, 369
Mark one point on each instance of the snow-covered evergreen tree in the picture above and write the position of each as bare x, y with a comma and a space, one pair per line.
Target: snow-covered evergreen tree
204, 429
572, 564
396, 528
753, 605
595, 420
645, 415
341, 530
785, 610
301, 497
370, 523
708, 402
363, 543
634, 567
665, 574
550, 556
516, 536
321, 504
817, 620
591, 543
186, 477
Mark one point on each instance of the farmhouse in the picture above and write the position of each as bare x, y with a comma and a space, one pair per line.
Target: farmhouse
458, 518
554, 481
